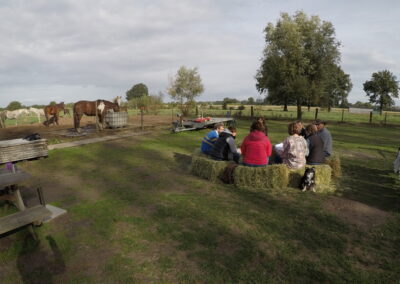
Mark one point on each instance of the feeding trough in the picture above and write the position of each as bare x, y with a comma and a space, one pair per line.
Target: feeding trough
116, 119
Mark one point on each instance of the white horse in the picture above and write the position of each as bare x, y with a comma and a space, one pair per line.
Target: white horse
37, 111
14, 114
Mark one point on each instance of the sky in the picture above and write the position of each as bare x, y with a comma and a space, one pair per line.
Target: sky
69, 50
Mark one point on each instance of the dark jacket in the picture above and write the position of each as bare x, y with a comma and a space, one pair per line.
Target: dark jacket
222, 148
316, 150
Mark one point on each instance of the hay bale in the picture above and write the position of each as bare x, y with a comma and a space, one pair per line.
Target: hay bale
205, 167
334, 162
273, 176
323, 175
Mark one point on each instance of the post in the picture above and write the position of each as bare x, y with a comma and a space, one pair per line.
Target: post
197, 111
252, 111
141, 118
370, 117
385, 118
172, 114
342, 115
97, 123
316, 113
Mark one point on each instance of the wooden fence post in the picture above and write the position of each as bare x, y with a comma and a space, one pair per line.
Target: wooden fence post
97, 122
385, 117
141, 118
370, 117
316, 113
342, 115
252, 111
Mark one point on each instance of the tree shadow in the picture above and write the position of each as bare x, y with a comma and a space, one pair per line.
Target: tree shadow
37, 264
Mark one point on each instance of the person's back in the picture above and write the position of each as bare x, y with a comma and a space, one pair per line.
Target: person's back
316, 150
256, 147
294, 148
224, 148
210, 138
325, 136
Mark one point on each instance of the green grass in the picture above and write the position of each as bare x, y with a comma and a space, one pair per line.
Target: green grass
135, 214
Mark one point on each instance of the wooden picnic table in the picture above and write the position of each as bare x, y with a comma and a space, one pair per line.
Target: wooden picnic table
12, 151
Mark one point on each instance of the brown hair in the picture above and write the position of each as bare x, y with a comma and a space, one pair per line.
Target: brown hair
262, 120
232, 129
293, 128
218, 125
310, 129
256, 125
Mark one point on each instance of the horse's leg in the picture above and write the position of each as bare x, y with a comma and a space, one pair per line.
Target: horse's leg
56, 115
47, 118
77, 119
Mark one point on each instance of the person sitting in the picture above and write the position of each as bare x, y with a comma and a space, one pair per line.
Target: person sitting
224, 148
300, 125
294, 148
256, 147
325, 135
264, 123
210, 138
315, 144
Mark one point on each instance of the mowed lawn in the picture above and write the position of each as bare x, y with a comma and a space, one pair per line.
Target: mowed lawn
135, 214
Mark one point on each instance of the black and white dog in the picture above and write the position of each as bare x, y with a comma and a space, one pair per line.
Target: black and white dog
308, 180
396, 163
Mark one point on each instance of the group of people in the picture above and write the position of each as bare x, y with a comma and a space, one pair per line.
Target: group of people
309, 145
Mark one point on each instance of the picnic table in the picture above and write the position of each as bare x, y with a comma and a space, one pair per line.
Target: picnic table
11, 152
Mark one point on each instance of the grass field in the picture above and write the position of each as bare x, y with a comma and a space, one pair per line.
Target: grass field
135, 214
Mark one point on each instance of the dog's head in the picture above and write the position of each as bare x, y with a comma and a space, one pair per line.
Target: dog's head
309, 174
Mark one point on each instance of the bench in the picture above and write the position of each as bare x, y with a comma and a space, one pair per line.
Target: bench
33, 215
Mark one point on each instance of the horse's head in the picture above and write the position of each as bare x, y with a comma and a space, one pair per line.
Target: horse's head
117, 100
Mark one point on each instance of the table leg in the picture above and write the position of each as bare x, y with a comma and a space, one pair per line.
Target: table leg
19, 202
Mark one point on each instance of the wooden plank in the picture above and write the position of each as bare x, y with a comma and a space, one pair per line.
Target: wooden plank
8, 178
19, 149
23, 218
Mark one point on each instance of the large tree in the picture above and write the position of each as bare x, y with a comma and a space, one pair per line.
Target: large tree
14, 105
137, 91
382, 88
184, 87
298, 54
337, 88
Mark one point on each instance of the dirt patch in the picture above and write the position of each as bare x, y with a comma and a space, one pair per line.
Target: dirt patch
66, 124
363, 216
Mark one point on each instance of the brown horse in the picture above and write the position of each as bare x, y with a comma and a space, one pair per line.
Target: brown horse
89, 108
53, 110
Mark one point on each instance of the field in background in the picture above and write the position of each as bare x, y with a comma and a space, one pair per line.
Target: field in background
136, 215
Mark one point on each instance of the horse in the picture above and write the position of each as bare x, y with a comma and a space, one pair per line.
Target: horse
14, 114
39, 112
89, 108
117, 100
53, 110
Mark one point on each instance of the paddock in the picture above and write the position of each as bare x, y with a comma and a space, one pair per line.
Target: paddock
137, 200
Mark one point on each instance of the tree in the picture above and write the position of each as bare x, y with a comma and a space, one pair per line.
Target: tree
184, 87
14, 105
338, 87
137, 91
251, 101
151, 103
299, 51
382, 88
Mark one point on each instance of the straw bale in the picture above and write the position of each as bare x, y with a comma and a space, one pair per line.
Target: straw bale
207, 168
261, 178
322, 177
334, 162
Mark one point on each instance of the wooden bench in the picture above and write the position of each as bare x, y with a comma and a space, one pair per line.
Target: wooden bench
33, 215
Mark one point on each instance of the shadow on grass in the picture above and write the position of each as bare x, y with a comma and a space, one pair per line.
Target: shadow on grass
36, 264
371, 183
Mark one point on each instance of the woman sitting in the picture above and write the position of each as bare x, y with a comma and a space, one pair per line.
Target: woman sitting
256, 147
315, 144
224, 148
294, 148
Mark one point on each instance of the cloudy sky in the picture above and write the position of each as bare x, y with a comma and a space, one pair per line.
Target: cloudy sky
69, 50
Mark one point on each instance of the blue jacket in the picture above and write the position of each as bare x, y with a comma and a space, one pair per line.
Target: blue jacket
208, 141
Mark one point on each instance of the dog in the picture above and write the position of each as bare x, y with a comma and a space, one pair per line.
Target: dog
308, 180
33, 137
396, 163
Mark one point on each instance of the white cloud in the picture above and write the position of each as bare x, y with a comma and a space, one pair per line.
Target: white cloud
71, 50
